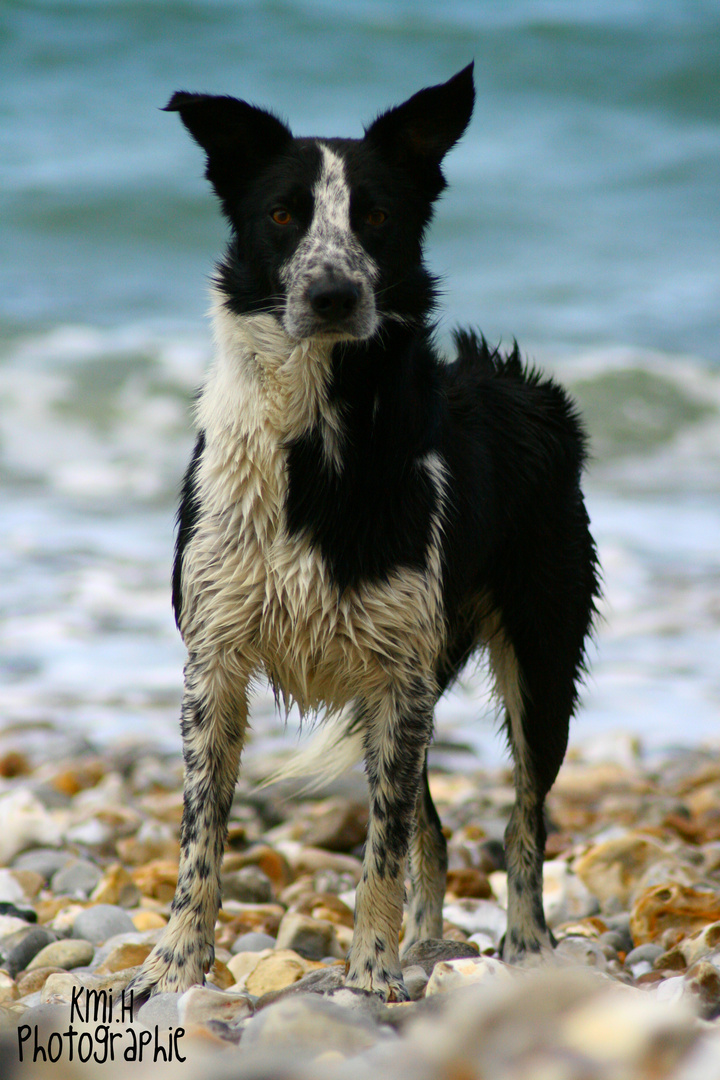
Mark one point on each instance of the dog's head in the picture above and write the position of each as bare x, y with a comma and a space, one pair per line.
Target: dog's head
327, 233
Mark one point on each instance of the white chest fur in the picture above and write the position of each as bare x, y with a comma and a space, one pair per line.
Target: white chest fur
260, 596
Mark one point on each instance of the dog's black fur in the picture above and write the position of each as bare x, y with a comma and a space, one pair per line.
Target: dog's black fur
359, 517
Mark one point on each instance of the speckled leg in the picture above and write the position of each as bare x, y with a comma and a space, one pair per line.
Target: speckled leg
213, 725
397, 731
428, 872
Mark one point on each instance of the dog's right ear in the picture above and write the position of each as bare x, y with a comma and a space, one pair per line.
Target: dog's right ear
235, 136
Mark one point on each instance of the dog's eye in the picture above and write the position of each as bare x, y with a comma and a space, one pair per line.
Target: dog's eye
281, 216
376, 217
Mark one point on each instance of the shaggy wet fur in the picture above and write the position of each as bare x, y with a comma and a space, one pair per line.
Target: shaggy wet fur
359, 518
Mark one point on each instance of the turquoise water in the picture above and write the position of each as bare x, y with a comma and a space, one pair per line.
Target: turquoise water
583, 218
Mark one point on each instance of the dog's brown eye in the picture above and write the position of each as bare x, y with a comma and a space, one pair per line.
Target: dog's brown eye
376, 217
281, 216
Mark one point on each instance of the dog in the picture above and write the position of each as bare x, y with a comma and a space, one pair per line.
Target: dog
360, 518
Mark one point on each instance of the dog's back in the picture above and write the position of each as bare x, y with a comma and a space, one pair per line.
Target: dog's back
359, 518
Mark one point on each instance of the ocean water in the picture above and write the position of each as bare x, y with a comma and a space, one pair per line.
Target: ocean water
582, 218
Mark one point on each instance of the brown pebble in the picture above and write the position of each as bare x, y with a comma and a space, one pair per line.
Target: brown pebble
672, 960
325, 906
468, 882
29, 881
703, 980
124, 956
650, 977
267, 859
157, 878
672, 907
116, 887
134, 852
220, 975
148, 920
245, 917
14, 764
29, 982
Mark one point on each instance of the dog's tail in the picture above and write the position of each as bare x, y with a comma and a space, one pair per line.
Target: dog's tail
334, 749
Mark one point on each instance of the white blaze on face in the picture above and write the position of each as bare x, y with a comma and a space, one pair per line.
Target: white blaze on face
329, 249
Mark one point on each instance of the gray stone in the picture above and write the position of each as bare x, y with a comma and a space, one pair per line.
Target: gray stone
23, 950
249, 885
45, 861
253, 941
415, 979
429, 952
308, 1025
221, 1012
613, 940
160, 1010
77, 878
643, 954
67, 953
620, 924
101, 922
311, 938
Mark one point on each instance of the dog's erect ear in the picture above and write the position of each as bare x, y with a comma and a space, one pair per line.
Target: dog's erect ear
423, 129
235, 136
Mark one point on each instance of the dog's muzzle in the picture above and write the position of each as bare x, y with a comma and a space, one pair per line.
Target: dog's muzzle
331, 304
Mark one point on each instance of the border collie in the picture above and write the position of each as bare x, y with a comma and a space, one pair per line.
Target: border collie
359, 518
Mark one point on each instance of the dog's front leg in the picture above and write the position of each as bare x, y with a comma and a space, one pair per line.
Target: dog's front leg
214, 719
398, 728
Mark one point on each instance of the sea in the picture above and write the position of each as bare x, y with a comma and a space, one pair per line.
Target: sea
582, 219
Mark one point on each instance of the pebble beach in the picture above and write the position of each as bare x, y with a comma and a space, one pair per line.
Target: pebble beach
89, 851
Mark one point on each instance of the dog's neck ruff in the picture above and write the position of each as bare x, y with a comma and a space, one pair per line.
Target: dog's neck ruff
262, 379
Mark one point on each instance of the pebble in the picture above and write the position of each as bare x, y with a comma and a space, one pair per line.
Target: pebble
249, 884
76, 878
426, 954
44, 861
100, 922
252, 942
312, 938
274, 972
68, 953
631, 889
302, 1024
454, 974
21, 953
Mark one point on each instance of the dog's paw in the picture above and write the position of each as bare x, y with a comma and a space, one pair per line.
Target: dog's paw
378, 980
170, 970
529, 950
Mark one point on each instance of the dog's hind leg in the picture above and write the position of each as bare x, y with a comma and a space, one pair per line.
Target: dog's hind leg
397, 730
214, 718
535, 674
428, 871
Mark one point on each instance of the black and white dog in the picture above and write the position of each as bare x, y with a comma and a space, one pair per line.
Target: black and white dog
360, 517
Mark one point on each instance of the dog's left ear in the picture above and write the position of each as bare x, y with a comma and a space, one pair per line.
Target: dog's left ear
422, 130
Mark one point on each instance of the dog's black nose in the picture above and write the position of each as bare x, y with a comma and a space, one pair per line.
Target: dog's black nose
333, 299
